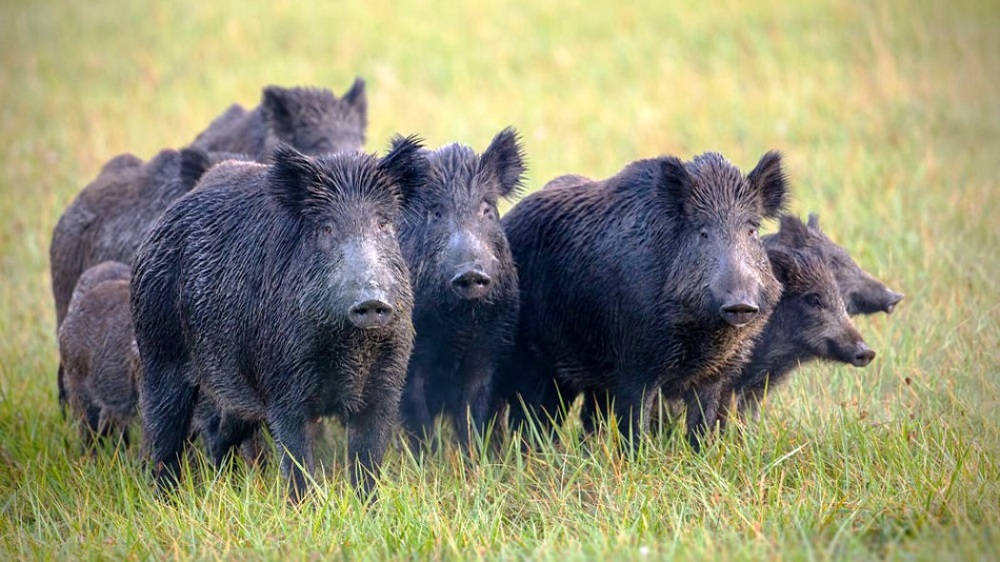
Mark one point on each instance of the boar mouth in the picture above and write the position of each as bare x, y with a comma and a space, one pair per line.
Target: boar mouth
739, 314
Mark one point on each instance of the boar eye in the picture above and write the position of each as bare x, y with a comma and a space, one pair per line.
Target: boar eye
754, 230
434, 213
703, 233
487, 209
813, 300
383, 224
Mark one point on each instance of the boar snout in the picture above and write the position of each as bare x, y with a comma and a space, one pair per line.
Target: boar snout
892, 301
371, 313
863, 355
471, 284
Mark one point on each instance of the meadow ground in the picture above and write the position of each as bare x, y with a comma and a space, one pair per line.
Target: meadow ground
888, 114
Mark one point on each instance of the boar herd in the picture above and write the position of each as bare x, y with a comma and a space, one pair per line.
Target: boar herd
272, 273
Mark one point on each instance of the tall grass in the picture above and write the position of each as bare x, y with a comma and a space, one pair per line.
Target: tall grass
889, 118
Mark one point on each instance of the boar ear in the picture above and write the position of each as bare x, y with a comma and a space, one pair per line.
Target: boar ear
783, 264
405, 165
194, 163
814, 221
293, 177
769, 181
357, 98
279, 108
792, 232
676, 182
505, 158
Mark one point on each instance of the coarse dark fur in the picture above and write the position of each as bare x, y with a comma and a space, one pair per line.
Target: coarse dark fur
810, 323
652, 279
568, 180
279, 292
464, 283
96, 344
110, 217
311, 120
862, 293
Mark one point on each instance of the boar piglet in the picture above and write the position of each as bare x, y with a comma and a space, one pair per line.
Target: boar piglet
809, 323
96, 343
280, 293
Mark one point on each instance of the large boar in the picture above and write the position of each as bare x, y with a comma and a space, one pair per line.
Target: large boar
862, 293
311, 120
96, 344
279, 292
110, 217
464, 283
652, 279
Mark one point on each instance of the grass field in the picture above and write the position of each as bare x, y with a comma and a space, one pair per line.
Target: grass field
888, 114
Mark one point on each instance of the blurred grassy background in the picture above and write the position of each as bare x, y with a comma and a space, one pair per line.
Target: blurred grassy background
888, 115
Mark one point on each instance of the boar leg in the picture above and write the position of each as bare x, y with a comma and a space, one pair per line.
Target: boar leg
368, 434
288, 427
418, 421
472, 411
702, 412
167, 408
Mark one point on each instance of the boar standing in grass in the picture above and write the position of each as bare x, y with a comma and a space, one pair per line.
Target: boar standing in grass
809, 323
862, 293
464, 284
311, 120
96, 344
280, 293
652, 279
110, 217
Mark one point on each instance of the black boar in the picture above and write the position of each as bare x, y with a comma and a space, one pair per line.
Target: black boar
110, 217
809, 323
652, 279
464, 284
96, 344
862, 293
280, 293
311, 120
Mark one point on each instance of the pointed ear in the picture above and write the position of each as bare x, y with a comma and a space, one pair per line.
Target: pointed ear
792, 232
505, 158
357, 98
293, 178
405, 165
814, 221
783, 264
194, 163
676, 183
279, 108
769, 181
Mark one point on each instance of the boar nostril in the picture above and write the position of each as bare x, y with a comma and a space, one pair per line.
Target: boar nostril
739, 314
471, 284
372, 313
863, 356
